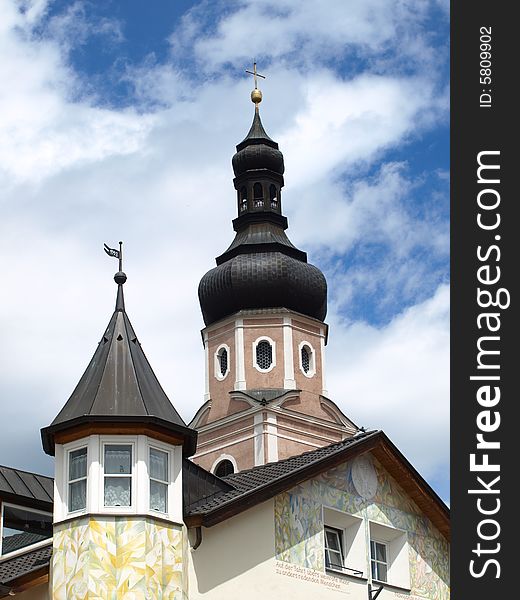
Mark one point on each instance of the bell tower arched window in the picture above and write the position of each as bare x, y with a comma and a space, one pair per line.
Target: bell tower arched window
273, 197
258, 195
243, 198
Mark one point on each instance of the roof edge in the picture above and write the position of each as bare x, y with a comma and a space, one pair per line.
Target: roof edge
188, 435
369, 442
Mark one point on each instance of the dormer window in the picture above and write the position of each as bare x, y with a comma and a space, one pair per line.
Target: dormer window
117, 475
77, 484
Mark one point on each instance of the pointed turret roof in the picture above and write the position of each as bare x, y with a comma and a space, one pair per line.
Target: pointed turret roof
119, 386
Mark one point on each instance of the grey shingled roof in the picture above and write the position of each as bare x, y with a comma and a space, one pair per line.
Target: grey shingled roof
15, 483
23, 564
257, 134
252, 480
118, 385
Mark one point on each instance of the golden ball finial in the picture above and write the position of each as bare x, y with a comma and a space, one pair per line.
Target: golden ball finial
256, 96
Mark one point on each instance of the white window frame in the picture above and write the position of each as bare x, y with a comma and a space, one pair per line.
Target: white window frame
69, 481
156, 445
312, 359
397, 559
340, 533
218, 374
30, 546
220, 459
264, 338
140, 477
353, 540
373, 559
118, 441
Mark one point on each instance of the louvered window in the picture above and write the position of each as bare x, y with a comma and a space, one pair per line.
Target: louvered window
306, 359
222, 361
224, 467
264, 354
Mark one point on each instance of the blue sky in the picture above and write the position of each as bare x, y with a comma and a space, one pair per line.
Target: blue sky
119, 120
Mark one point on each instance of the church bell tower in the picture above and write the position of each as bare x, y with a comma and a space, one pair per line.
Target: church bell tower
264, 308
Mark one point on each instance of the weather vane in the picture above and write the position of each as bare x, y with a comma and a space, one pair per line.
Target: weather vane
116, 254
256, 94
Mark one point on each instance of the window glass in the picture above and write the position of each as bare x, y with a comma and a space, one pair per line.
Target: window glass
118, 471
378, 561
333, 548
159, 480
77, 479
264, 354
22, 527
158, 496
77, 464
118, 459
158, 464
118, 491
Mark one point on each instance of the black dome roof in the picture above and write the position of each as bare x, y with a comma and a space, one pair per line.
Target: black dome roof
263, 280
261, 268
257, 151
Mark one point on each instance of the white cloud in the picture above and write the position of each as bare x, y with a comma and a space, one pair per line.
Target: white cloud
397, 378
75, 175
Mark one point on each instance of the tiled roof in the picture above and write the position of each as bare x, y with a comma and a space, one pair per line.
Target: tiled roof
263, 476
23, 564
23, 484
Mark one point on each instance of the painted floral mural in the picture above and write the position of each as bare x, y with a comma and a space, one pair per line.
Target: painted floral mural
299, 525
118, 558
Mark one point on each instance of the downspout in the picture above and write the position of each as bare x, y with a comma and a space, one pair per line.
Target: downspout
198, 537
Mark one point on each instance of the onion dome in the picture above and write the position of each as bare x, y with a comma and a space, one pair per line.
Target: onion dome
257, 151
261, 268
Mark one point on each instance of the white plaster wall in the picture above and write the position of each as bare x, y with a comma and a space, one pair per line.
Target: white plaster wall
237, 560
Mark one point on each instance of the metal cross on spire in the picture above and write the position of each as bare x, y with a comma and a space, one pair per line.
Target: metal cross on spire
255, 74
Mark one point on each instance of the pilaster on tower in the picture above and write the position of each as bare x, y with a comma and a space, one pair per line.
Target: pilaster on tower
264, 307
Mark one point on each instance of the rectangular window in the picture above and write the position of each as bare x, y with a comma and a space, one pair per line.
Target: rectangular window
379, 561
333, 548
118, 475
159, 480
23, 527
77, 479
